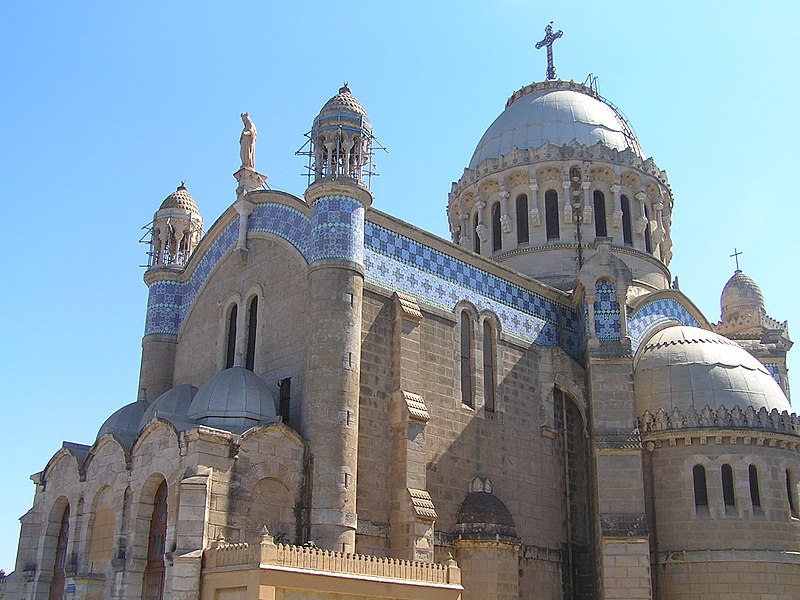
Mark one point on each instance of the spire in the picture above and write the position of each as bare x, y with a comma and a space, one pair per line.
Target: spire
549, 39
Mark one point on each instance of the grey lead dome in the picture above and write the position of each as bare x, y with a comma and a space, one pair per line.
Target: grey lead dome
688, 368
555, 111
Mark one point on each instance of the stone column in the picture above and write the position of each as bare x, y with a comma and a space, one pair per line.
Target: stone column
330, 408
567, 188
535, 217
411, 513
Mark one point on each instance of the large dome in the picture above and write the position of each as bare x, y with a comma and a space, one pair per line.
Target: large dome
688, 368
555, 111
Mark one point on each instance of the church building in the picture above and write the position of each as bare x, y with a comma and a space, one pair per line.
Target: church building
336, 404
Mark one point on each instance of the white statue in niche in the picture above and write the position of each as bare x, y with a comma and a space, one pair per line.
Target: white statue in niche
247, 142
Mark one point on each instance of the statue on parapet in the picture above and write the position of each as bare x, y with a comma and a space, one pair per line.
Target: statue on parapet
248, 143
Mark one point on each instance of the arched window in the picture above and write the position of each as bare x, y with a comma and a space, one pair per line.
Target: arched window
551, 214
627, 233
600, 228
648, 241
700, 489
467, 394
728, 494
57, 583
230, 342
476, 240
790, 494
489, 367
156, 547
252, 327
497, 231
523, 235
755, 494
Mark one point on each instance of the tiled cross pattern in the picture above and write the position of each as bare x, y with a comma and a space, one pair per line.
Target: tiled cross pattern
773, 370
607, 325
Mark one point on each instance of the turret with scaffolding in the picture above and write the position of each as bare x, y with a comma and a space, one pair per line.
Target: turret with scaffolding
340, 143
174, 232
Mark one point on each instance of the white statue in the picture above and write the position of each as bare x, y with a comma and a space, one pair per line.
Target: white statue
248, 143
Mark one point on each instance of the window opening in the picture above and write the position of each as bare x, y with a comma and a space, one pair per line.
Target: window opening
285, 393
728, 494
627, 233
523, 235
467, 396
648, 240
488, 367
600, 228
156, 547
230, 346
497, 232
551, 214
700, 489
755, 495
790, 494
57, 583
252, 328
476, 240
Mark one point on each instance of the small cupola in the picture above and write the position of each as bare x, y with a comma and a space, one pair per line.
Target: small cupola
176, 230
341, 139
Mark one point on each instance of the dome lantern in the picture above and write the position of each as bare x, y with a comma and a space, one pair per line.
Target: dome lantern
341, 139
176, 230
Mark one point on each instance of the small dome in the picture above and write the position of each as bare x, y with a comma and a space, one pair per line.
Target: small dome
555, 111
343, 102
741, 297
173, 406
235, 400
482, 515
180, 199
124, 423
688, 368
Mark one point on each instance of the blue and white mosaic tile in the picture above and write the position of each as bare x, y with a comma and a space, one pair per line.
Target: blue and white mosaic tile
337, 229
607, 325
284, 221
655, 313
397, 262
773, 370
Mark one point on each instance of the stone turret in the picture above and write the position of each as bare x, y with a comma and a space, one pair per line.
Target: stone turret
176, 231
338, 198
744, 318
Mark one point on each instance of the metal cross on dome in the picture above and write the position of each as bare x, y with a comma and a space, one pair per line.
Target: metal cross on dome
548, 40
736, 254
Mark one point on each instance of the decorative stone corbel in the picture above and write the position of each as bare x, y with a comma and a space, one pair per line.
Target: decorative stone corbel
483, 233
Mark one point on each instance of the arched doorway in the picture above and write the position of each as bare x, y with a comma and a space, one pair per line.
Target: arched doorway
156, 546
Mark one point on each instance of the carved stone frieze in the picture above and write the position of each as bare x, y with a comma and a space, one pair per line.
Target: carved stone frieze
722, 418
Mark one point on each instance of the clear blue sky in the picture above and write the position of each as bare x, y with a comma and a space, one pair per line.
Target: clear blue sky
108, 105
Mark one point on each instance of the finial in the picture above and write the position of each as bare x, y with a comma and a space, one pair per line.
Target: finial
735, 256
345, 89
548, 40
182, 186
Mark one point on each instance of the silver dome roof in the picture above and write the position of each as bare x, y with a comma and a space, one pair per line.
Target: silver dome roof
173, 406
555, 111
124, 423
688, 368
235, 400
